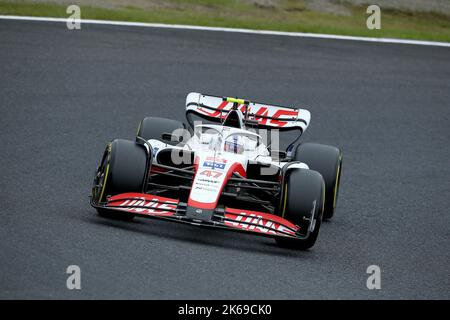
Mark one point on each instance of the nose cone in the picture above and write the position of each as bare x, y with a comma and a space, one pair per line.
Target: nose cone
211, 177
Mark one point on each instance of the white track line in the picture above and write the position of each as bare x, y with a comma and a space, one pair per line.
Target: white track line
249, 31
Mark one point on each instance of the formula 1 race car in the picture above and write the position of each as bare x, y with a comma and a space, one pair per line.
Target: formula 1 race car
223, 172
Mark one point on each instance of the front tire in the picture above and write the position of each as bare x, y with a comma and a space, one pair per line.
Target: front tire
122, 169
326, 160
303, 194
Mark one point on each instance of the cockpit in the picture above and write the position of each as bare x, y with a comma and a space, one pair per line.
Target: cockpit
227, 139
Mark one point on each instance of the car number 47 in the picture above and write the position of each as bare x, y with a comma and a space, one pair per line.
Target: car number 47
211, 173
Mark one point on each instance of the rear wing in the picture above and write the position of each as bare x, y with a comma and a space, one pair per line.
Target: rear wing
260, 115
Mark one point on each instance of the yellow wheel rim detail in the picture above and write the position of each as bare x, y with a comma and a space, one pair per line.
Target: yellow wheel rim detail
104, 183
285, 199
106, 174
336, 184
323, 198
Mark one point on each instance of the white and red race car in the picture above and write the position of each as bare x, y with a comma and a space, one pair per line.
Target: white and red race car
223, 172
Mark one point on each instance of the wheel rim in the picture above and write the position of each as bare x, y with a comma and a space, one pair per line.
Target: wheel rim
101, 176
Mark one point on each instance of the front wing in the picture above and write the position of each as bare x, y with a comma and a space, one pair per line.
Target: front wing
152, 206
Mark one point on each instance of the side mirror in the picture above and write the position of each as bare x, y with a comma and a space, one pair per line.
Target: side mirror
172, 138
278, 154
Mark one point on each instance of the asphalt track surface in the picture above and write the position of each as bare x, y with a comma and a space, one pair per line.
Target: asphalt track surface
64, 94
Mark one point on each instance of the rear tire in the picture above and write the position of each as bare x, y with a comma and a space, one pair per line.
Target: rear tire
303, 191
153, 128
326, 160
121, 170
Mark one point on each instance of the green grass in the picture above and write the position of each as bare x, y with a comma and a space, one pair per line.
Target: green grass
289, 15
